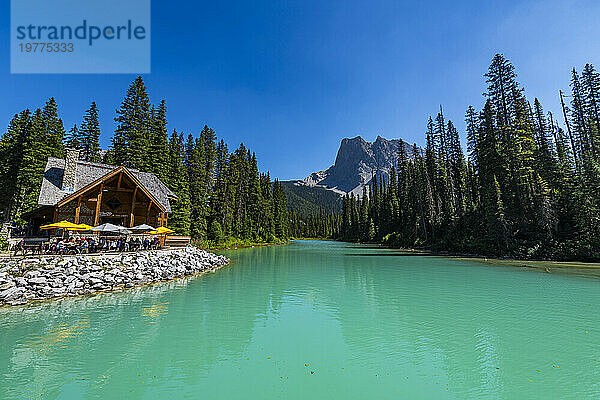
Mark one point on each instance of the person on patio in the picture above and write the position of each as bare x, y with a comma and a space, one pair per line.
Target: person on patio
84, 247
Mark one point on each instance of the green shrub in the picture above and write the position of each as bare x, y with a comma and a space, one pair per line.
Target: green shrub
3, 243
215, 233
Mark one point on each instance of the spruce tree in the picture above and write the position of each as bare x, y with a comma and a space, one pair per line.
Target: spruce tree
29, 176
72, 138
11, 153
176, 179
471, 119
131, 140
219, 197
89, 135
53, 130
158, 142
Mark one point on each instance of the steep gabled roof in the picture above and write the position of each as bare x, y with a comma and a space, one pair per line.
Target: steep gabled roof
87, 173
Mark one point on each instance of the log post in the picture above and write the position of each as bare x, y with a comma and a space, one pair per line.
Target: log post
148, 211
78, 210
98, 203
131, 214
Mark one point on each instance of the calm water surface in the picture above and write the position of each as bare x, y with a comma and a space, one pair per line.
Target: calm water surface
315, 320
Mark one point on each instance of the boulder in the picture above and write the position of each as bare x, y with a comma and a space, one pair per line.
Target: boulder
41, 280
32, 274
20, 281
95, 281
11, 293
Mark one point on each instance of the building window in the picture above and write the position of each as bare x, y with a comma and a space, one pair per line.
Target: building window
113, 203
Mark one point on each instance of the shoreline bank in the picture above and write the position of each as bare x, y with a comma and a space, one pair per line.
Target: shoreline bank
43, 278
549, 266
242, 246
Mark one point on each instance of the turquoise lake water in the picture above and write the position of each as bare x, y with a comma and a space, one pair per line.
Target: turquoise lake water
315, 320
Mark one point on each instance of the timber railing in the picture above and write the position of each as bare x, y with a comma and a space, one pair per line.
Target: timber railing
177, 241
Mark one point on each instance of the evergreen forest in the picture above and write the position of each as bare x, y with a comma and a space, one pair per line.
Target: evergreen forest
223, 197
527, 187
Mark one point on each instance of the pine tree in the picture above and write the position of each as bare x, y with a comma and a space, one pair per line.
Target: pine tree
591, 91
158, 142
201, 178
503, 90
53, 130
134, 121
219, 198
179, 220
579, 121
471, 119
89, 135
497, 226
11, 153
29, 177
72, 138
457, 171
197, 194
40, 136
255, 200
546, 153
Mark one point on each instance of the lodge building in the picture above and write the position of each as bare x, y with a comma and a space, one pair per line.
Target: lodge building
91, 193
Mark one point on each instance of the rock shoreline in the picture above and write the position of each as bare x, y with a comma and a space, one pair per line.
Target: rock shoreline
44, 278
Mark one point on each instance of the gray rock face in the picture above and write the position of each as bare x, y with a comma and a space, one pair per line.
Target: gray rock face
46, 278
356, 163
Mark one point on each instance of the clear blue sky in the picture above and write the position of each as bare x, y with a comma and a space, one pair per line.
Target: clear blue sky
291, 79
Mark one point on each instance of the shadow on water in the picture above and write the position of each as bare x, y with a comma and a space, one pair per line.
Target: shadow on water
534, 266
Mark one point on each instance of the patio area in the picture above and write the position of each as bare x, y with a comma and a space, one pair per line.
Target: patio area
66, 238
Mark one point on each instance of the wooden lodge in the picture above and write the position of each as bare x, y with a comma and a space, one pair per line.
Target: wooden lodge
91, 193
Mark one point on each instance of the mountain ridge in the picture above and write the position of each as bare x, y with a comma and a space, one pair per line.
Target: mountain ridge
356, 163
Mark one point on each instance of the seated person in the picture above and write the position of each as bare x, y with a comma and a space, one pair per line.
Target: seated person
83, 247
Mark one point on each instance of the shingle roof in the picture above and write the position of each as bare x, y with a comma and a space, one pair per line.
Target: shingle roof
88, 172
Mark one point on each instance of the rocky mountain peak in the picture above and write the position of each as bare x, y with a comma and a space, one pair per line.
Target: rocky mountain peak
356, 163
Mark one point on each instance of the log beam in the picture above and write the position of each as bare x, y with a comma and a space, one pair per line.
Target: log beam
115, 189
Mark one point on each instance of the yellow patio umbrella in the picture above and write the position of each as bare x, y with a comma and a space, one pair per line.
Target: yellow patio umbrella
83, 227
66, 225
163, 230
